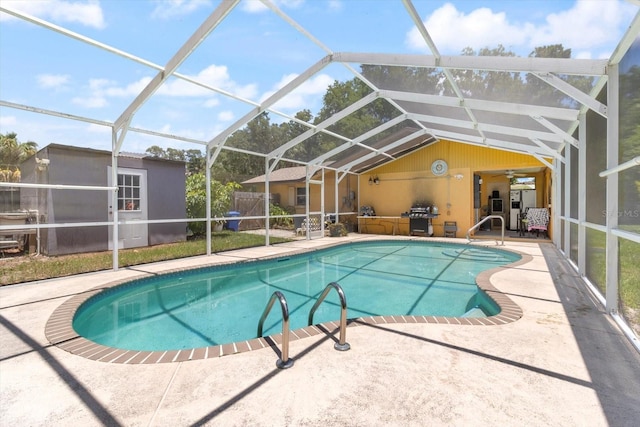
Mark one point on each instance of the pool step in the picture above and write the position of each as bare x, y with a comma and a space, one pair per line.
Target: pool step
475, 312
471, 254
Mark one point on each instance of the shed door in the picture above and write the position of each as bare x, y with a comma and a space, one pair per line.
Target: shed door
132, 208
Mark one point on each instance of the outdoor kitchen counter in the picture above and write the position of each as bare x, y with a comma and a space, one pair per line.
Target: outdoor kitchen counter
393, 225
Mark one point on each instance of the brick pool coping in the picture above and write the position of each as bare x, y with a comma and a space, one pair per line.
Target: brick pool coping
59, 330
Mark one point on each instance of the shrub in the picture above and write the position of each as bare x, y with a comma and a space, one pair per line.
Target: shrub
221, 199
276, 210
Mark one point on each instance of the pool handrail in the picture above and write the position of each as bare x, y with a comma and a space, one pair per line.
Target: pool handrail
341, 345
482, 221
283, 362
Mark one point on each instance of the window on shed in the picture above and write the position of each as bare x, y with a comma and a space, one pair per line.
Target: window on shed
128, 192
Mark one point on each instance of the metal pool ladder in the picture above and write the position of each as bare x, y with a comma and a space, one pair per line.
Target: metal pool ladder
284, 362
485, 219
341, 345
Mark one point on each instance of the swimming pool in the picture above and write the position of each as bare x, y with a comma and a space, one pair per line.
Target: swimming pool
220, 305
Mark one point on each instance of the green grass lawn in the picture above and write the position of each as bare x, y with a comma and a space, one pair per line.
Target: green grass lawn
29, 268
629, 275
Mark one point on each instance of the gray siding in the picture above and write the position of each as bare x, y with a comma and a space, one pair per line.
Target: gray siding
80, 166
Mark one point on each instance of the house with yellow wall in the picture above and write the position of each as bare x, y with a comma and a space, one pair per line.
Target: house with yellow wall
460, 180
288, 189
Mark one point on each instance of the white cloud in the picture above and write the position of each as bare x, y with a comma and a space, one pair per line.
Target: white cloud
256, 6
7, 121
90, 101
226, 116
214, 75
211, 102
581, 54
335, 5
588, 26
308, 94
52, 81
94, 128
100, 90
108, 88
88, 13
168, 9
453, 30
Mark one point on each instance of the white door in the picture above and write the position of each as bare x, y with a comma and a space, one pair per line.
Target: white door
132, 208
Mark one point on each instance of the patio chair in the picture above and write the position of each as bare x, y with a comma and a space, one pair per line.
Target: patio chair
450, 228
538, 220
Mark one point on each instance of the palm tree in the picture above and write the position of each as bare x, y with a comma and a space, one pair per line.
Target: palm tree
12, 153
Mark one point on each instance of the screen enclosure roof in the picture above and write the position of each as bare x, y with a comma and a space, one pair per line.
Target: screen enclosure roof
528, 105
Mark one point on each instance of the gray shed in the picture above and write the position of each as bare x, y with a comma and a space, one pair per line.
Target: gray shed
149, 189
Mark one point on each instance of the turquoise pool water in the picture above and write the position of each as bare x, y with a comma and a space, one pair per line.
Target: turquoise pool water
223, 304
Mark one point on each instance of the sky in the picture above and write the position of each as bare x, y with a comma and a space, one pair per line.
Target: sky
249, 56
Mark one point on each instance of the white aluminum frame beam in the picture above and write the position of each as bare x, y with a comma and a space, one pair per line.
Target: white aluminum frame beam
358, 141
573, 92
627, 39
490, 143
556, 137
447, 72
582, 194
289, 87
553, 128
325, 124
612, 250
212, 21
567, 114
387, 147
139, 60
621, 167
583, 67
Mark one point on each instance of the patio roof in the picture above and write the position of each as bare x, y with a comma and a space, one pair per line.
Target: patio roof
422, 114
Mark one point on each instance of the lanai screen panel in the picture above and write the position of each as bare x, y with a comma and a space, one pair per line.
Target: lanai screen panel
395, 141
365, 119
422, 80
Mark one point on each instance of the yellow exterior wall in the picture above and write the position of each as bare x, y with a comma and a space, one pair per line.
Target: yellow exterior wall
408, 180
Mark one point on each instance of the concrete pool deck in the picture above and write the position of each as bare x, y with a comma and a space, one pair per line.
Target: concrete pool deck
563, 363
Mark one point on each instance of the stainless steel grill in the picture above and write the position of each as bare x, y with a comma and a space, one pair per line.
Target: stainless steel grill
420, 220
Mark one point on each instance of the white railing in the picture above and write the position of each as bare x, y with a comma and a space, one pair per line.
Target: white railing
482, 221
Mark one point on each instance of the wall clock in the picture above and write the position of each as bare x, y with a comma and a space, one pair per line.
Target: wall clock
439, 167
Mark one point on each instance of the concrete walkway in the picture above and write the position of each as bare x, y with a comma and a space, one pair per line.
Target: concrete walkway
564, 363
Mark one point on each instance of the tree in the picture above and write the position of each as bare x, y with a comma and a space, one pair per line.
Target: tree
156, 151
260, 136
194, 159
307, 149
12, 153
221, 199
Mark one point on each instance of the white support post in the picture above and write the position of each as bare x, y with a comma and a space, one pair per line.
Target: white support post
267, 189
612, 250
567, 200
322, 203
582, 194
307, 187
114, 197
208, 201
557, 201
